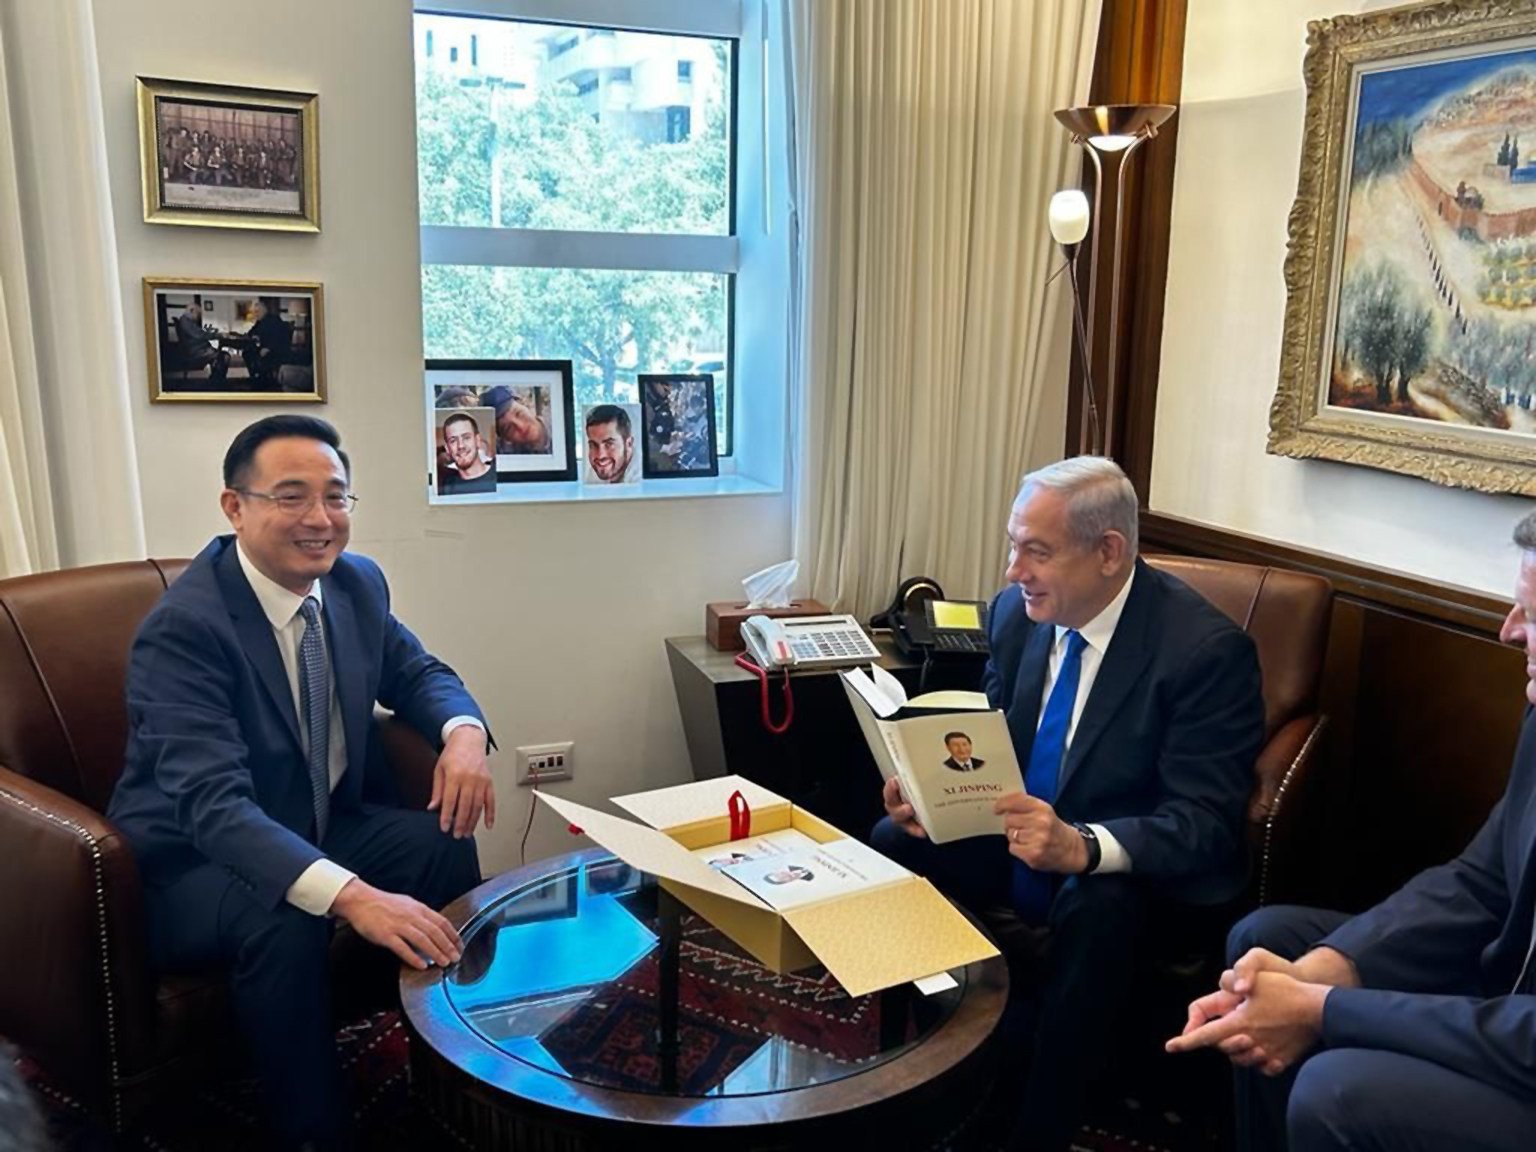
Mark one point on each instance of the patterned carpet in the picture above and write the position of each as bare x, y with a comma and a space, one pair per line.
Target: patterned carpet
226, 1116
728, 1003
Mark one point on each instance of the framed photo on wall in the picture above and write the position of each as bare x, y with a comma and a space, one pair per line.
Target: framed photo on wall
1411, 276
531, 412
228, 157
252, 340
678, 414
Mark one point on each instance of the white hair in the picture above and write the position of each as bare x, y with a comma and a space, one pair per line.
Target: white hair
1100, 498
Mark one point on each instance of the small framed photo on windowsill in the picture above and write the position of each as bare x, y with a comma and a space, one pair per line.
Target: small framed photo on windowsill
253, 340
228, 157
678, 414
525, 412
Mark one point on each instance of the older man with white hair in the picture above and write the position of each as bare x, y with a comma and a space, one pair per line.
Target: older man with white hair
1134, 706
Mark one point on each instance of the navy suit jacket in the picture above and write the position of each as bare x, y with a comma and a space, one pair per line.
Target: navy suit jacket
1440, 958
215, 768
1164, 751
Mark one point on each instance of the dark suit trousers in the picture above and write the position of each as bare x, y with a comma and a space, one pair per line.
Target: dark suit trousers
1358, 1098
1069, 984
278, 959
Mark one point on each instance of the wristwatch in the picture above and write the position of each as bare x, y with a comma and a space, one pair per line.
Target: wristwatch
1095, 852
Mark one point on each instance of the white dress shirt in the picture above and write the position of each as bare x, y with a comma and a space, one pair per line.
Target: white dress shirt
1096, 635
317, 886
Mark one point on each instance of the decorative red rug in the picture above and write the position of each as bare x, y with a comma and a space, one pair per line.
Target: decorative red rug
226, 1115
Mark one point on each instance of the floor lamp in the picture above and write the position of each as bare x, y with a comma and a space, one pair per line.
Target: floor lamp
1108, 132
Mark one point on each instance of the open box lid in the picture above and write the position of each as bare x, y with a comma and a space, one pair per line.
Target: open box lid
868, 940
650, 851
706, 801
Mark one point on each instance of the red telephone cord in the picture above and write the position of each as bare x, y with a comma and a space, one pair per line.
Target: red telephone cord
743, 661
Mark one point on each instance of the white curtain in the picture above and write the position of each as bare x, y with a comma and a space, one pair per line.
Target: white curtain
69, 489
923, 157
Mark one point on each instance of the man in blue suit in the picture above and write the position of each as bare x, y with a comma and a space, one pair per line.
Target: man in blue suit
253, 792
1135, 705
1412, 1025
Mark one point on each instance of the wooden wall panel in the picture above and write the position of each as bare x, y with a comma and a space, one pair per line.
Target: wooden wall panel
1424, 708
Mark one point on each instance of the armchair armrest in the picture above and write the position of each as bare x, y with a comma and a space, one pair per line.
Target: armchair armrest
1283, 811
410, 756
74, 975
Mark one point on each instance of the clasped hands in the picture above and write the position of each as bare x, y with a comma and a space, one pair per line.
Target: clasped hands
1036, 835
1267, 1013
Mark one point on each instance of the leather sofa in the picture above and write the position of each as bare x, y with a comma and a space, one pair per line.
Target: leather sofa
76, 990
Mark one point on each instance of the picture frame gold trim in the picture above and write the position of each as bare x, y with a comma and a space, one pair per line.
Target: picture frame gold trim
305, 104
1301, 423
159, 394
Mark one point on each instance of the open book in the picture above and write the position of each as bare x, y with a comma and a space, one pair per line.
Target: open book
952, 754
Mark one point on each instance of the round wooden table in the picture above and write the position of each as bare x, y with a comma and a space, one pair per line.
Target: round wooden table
591, 1010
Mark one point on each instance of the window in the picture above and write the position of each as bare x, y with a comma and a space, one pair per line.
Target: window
474, 51
559, 222
684, 69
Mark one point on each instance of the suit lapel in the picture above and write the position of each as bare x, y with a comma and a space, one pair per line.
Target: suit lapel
255, 633
1024, 709
1121, 668
341, 637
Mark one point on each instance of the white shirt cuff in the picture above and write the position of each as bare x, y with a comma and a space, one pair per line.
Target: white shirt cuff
1112, 854
459, 722
317, 887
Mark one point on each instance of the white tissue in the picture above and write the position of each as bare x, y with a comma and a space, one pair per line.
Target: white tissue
770, 587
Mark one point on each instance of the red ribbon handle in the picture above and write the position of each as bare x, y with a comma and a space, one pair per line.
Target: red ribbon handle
741, 816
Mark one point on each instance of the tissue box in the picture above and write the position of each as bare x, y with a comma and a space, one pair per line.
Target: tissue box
868, 940
722, 619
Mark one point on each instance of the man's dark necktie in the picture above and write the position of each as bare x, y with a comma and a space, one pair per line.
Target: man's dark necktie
1031, 890
315, 693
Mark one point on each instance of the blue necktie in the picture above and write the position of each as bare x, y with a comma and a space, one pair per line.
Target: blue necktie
1032, 891
315, 693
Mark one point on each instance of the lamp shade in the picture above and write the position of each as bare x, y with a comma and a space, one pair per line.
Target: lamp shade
1069, 216
1112, 127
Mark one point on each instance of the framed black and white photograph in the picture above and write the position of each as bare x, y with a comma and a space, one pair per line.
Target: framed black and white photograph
229, 157
613, 454
531, 404
466, 450
250, 340
678, 411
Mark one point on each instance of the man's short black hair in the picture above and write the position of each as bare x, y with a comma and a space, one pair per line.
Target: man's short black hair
610, 414
948, 736
473, 423
242, 449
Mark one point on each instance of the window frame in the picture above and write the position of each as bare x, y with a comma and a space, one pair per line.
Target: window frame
742, 255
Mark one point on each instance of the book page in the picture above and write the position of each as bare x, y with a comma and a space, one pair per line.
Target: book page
954, 797
799, 877
718, 856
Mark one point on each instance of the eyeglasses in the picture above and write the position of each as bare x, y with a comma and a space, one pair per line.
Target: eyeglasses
297, 504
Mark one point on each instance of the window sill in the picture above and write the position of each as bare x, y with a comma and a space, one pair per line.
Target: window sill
575, 492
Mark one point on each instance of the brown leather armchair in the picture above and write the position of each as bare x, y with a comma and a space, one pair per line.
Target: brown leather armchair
1287, 614
76, 990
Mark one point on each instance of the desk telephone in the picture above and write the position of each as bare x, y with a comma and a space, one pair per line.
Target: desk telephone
807, 641
924, 623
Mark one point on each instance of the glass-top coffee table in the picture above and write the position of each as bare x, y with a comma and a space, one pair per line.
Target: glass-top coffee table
591, 1009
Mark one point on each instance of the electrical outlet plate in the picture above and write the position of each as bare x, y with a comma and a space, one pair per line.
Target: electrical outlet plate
542, 763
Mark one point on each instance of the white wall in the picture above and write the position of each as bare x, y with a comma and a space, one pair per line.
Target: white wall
1240, 127
553, 614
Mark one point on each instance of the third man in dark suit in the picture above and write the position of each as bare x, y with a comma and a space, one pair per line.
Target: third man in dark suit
1134, 707
1413, 1025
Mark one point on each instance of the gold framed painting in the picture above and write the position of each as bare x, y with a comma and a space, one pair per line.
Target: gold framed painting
1410, 325
254, 340
220, 156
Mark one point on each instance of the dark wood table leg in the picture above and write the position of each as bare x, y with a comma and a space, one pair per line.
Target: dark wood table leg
670, 915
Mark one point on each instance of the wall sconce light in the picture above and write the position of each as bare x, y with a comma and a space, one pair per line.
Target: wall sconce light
1109, 132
